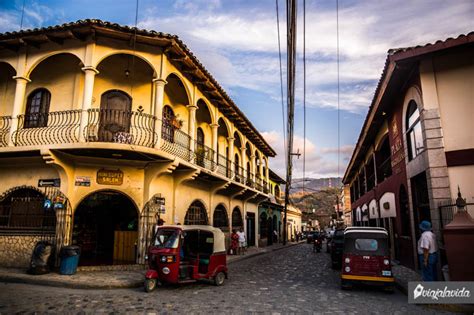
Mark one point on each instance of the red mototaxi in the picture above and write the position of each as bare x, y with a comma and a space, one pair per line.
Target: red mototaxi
186, 253
366, 258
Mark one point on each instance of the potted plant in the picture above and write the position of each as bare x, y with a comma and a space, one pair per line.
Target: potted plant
177, 122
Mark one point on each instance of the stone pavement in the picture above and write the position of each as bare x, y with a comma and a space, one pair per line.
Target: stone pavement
91, 278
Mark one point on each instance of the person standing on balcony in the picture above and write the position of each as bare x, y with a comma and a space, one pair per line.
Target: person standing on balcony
427, 252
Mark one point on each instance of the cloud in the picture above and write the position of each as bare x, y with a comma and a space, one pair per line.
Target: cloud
318, 162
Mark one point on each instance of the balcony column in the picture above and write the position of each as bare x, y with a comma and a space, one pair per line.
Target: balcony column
253, 167
89, 76
231, 159
260, 171
244, 161
158, 108
192, 125
18, 102
214, 141
267, 176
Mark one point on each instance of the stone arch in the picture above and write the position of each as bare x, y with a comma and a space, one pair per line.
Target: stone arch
106, 224
7, 92
204, 112
196, 213
129, 53
237, 218
175, 80
52, 54
220, 218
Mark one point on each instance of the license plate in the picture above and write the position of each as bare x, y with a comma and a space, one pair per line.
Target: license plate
386, 273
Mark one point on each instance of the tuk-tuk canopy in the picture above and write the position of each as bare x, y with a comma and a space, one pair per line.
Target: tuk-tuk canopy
219, 238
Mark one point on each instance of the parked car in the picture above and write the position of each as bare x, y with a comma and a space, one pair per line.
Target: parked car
337, 246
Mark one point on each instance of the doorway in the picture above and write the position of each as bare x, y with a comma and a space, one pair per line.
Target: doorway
421, 201
106, 229
251, 229
115, 115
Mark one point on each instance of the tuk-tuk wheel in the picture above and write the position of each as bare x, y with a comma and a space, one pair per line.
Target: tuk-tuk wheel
150, 285
219, 279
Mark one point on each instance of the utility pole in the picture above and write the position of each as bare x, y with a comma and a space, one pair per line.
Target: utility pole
291, 66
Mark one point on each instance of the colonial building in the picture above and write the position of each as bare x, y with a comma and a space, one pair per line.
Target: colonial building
269, 213
104, 129
416, 146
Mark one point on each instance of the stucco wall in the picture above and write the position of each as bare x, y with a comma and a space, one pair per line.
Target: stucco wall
454, 82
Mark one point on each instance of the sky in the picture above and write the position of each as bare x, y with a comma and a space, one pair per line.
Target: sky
237, 42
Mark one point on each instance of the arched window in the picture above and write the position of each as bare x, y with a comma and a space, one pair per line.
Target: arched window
196, 214
414, 134
236, 167
220, 219
37, 109
167, 129
200, 151
24, 208
277, 191
383, 161
237, 222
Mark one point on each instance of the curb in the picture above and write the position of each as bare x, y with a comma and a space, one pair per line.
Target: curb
61, 284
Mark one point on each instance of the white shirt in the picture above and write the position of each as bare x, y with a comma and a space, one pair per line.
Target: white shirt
241, 236
427, 241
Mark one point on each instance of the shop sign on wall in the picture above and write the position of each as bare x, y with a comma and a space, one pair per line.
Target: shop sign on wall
109, 177
83, 181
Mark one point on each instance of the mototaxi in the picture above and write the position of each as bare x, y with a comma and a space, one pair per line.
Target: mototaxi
186, 253
366, 258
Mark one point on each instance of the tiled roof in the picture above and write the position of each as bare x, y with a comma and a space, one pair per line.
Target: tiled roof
395, 55
252, 133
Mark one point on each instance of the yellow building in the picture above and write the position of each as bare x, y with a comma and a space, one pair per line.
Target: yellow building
103, 128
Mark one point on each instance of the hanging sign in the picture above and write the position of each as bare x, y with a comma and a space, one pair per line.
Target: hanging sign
47, 204
109, 177
82, 181
50, 182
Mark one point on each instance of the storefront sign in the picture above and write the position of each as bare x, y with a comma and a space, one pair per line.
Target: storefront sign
109, 177
398, 154
50, 182
83, 181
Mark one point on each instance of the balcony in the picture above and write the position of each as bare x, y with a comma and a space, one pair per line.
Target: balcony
117, 126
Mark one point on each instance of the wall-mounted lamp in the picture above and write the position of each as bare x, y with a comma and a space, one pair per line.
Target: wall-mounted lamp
127, 73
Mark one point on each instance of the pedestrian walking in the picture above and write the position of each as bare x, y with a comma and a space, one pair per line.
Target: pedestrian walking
242, 241
275, 236
234, 242
427, 252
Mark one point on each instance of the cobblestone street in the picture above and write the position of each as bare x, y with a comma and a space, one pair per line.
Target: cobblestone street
292, 280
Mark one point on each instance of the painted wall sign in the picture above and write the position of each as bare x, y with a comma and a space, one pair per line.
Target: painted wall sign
83, 181
109, 177
50, 182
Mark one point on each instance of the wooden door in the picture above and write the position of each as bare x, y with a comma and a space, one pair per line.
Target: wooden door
124, 246
115, 114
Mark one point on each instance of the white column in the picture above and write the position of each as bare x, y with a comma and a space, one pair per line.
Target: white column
231, 154
253, 166
192, 124
18, 102
214, 140
89, 76
244, 161
260, 170
267, 175
158, 108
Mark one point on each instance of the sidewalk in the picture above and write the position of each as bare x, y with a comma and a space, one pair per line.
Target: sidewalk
88, 278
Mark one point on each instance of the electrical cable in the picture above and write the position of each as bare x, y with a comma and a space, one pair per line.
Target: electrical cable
22, 15
304, 95
281, 80
338, 92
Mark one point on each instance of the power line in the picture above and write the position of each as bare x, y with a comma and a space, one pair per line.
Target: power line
338, 92
22, 15
281, 79
304, 93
